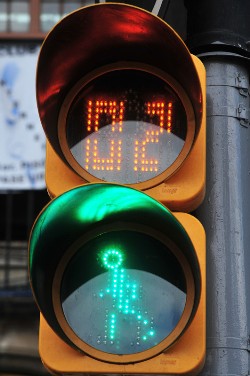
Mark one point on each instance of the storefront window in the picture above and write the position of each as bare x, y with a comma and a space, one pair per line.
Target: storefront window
14, 16
50, 14
71, 6
3, 15
53, 10
34, 18
19, 16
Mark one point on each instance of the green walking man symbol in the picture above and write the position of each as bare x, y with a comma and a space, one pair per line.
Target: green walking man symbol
126, 295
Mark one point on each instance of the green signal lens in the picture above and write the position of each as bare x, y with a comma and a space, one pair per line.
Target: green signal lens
131, 296
114, 273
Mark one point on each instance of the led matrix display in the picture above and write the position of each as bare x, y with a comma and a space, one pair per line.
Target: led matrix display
115, 112
133, 126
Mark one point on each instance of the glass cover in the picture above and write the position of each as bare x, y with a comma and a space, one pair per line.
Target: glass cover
126, 126
123, 292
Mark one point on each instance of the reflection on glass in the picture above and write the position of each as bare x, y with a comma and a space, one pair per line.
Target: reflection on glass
19, 16
123, 292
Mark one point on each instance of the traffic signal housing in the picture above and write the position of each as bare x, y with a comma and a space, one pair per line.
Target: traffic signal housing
110, 100
117, 276
120, 279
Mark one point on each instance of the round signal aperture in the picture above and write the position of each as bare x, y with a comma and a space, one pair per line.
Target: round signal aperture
127, 126
108, 293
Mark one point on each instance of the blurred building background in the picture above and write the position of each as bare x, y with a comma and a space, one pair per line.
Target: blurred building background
23, 26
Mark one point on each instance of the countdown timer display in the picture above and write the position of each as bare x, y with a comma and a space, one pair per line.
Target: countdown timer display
127, 126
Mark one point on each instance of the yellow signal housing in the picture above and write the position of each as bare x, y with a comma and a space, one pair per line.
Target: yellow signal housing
186, 355
123, 108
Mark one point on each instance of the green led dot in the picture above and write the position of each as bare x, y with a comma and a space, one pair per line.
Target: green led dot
139, 317
144, 338
112, 259
151, 333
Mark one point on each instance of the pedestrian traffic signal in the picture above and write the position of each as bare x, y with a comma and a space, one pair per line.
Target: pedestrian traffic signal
118, 278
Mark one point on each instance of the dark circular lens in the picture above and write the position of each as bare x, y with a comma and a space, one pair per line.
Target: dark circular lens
131, 126
123, 292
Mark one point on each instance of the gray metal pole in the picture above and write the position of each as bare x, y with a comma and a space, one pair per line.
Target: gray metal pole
225, 215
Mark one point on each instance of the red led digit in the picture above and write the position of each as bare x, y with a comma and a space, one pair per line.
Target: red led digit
169, 117
158, 108
107, 111
111, 110
89, 110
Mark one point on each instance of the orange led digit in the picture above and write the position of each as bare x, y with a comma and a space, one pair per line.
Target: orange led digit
96, 109
108, 111
94, 161
145, 163
169, 122
156, 109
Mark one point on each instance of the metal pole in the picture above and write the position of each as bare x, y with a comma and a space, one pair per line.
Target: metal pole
219, 31
226, 217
